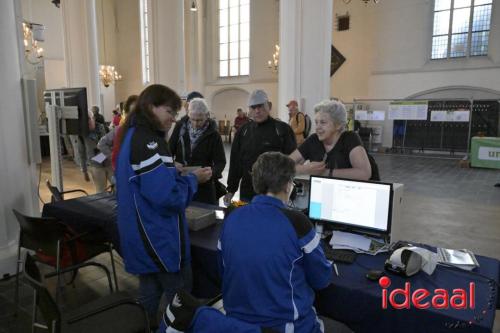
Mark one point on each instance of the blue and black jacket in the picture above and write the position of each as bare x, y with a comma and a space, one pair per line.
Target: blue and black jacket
152, 198
271, 263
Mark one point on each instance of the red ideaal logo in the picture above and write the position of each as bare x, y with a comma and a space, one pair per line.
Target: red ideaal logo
439, 299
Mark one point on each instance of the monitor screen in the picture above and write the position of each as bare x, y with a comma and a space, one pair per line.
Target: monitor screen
72, 97
362, 205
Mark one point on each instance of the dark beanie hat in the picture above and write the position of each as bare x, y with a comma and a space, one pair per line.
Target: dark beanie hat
193, 94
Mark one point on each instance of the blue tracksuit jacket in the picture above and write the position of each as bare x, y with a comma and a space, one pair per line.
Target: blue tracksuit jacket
272, 260
152, 198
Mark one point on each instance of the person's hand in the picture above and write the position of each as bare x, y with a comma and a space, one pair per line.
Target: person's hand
227, 198
179, 167
203, 174
316, 168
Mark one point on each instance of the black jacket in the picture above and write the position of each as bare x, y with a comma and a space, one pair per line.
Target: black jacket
208, 152
250, 142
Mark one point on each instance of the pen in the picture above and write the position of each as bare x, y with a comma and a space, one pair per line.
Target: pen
336, 269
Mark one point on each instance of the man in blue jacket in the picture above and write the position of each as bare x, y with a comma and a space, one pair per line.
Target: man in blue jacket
152, 198
272, 260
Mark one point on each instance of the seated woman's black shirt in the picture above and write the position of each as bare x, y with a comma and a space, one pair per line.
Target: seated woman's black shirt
338, 158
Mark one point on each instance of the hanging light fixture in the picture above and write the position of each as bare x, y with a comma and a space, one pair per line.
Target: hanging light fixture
193, 8
107, 73
274, 64
32, 34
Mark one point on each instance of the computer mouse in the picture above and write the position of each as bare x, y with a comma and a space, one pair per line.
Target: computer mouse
374, 275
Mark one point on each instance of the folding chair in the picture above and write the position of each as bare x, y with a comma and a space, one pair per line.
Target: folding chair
58, 195
54, 239
117, 312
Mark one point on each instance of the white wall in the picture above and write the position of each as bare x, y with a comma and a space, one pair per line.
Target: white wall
270, 88
128, 51
350, 80
54, 66
264, 34
401, 58
17, 177
226, 102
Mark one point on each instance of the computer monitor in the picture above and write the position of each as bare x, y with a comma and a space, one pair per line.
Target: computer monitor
76, 97
352, 205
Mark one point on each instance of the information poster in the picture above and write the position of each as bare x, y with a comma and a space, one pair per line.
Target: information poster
408, 110
450, 116
369, 115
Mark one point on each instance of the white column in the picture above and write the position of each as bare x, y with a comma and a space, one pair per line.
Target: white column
305, 42
17, 177
169, 43
93, 54
81, 48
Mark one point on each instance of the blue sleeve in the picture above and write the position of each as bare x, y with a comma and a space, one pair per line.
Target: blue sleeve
318, 270
165, 189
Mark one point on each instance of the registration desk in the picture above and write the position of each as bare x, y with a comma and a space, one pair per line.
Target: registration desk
350, 298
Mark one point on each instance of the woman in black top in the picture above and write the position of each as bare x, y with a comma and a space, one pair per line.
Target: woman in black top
196, 142
332, 151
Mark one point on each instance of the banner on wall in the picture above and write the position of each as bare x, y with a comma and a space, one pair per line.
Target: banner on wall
450, 116
408, 110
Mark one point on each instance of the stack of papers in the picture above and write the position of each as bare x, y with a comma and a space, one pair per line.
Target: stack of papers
463, 259
357, 243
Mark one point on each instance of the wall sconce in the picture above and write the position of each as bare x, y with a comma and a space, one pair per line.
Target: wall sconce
274, 64
32, 34
193, 8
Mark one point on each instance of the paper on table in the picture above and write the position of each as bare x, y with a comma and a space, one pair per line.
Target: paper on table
345, 239
99, 158
429, 259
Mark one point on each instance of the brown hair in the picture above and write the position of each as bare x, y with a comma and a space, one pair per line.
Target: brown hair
271, 172
130, 100
154, 95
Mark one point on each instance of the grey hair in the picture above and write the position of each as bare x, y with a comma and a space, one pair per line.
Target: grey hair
199, 105
335, 109
271, 172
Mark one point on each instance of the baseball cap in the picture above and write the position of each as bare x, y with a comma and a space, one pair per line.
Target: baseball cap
193, 94
292, 102
257, 97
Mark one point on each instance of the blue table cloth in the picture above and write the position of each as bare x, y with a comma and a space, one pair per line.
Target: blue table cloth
351, 298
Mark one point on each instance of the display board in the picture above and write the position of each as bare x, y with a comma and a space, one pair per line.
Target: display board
408, 110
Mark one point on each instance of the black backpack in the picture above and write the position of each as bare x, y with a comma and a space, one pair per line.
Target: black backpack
374, 166
375, 172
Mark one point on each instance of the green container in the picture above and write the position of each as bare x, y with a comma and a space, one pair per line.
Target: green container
485, 152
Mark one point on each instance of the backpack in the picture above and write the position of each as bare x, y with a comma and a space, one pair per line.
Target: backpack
307, 126
374, 166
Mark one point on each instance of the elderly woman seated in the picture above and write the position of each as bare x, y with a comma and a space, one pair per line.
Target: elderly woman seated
332, 151
272, 259
196, 142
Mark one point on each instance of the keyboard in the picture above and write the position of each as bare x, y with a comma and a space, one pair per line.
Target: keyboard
335, 255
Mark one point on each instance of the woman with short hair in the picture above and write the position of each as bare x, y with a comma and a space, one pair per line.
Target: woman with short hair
272, 258
332, 151
196, 142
